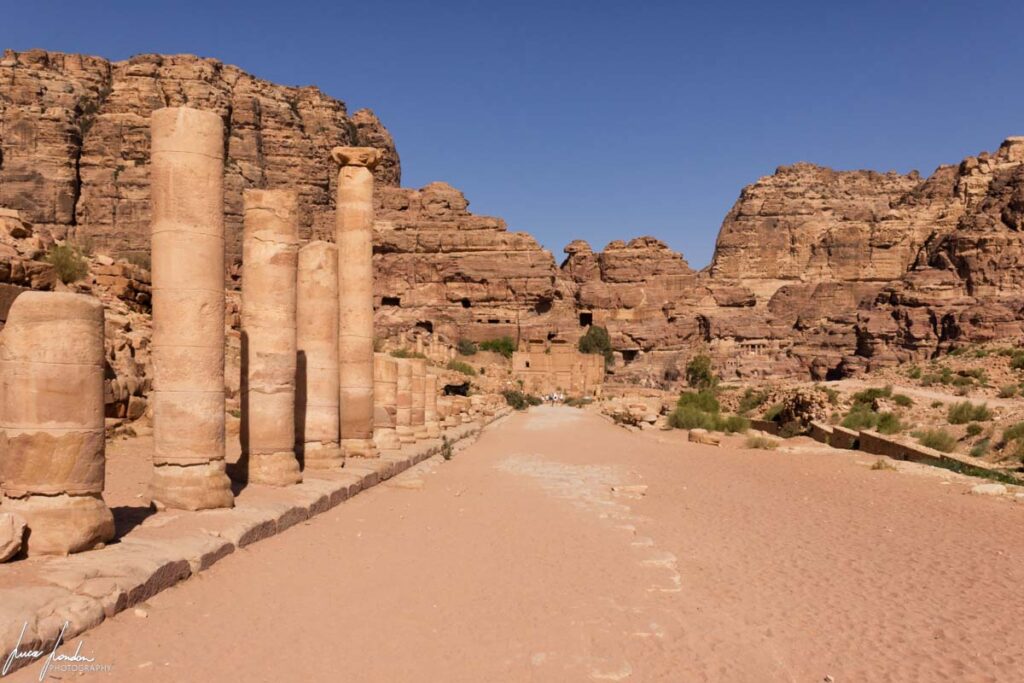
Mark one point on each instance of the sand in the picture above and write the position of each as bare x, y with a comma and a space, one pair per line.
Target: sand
560, 547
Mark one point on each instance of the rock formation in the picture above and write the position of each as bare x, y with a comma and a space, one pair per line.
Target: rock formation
75, 150
816, 272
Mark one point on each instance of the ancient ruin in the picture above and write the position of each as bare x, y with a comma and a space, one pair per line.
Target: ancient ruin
269, 352
354, 237
51, 416
403, 402
385, 401
187, 173
430, 419
545, 368
316, 400
417, 411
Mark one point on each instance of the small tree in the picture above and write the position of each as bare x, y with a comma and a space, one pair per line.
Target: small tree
699, 374
597, 341
467, 347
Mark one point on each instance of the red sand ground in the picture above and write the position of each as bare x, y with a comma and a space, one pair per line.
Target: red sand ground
516, 561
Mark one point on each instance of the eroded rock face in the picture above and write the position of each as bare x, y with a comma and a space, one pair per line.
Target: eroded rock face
74, 141
816, 271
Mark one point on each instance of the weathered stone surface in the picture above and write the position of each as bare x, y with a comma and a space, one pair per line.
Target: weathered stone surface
75, 141
12, 535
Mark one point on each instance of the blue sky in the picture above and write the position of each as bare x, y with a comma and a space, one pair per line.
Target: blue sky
605, 120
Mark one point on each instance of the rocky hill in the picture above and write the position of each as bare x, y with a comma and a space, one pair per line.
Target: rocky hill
815, 271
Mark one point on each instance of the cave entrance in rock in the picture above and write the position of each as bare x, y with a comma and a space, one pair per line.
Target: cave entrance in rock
543, 306
586, 318
466, 303
391, 301
426, 325
629, 355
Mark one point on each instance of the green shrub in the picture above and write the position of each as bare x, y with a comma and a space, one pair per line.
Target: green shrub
962, 382
975, 373
691, 417
520, 400
889, 423
860, 417
974, 429
751, 399
980, 449
869, 396
937, 404
791, 429
914, 372
699, 374
406, 353
503, 345
902, 400
69, 262
1013, 432
830, 393
597, 341
773, 412
939, 439
1008, 391
962, 413
761, 442
735, 424
1017, 360
467, 347
446, 448
701, 400
460, 366
578, 402
139, 259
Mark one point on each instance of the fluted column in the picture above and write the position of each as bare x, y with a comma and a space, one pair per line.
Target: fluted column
270, 250
354, 237
52, 458
186, 189
316, 381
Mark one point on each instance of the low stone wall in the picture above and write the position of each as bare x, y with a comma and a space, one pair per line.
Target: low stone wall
844, 438
877, 444
766, 426
819, 431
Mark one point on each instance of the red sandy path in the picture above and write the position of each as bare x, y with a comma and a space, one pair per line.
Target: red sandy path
515, 562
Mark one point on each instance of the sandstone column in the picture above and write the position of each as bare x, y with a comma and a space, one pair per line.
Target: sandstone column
385, 394
419, 371
430, 418
316, 399
52, 468
354, 237
403, 402
186, 186
270, 249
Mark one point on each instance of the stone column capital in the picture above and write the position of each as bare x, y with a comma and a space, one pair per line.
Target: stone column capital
356, 156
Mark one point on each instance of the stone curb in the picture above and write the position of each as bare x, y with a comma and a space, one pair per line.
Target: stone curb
85, 589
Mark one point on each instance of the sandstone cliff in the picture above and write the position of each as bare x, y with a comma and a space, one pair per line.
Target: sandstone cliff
815, 271
74, 141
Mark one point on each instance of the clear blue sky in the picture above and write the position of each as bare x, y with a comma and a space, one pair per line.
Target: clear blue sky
604, 120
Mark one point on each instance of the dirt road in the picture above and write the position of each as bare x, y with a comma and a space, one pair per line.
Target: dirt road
536, 555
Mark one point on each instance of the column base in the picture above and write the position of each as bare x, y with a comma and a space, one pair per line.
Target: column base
433, 430
317, 455
385, 438
420, 432
64, 523
273, 469
202, 486
405, 435
359, 448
